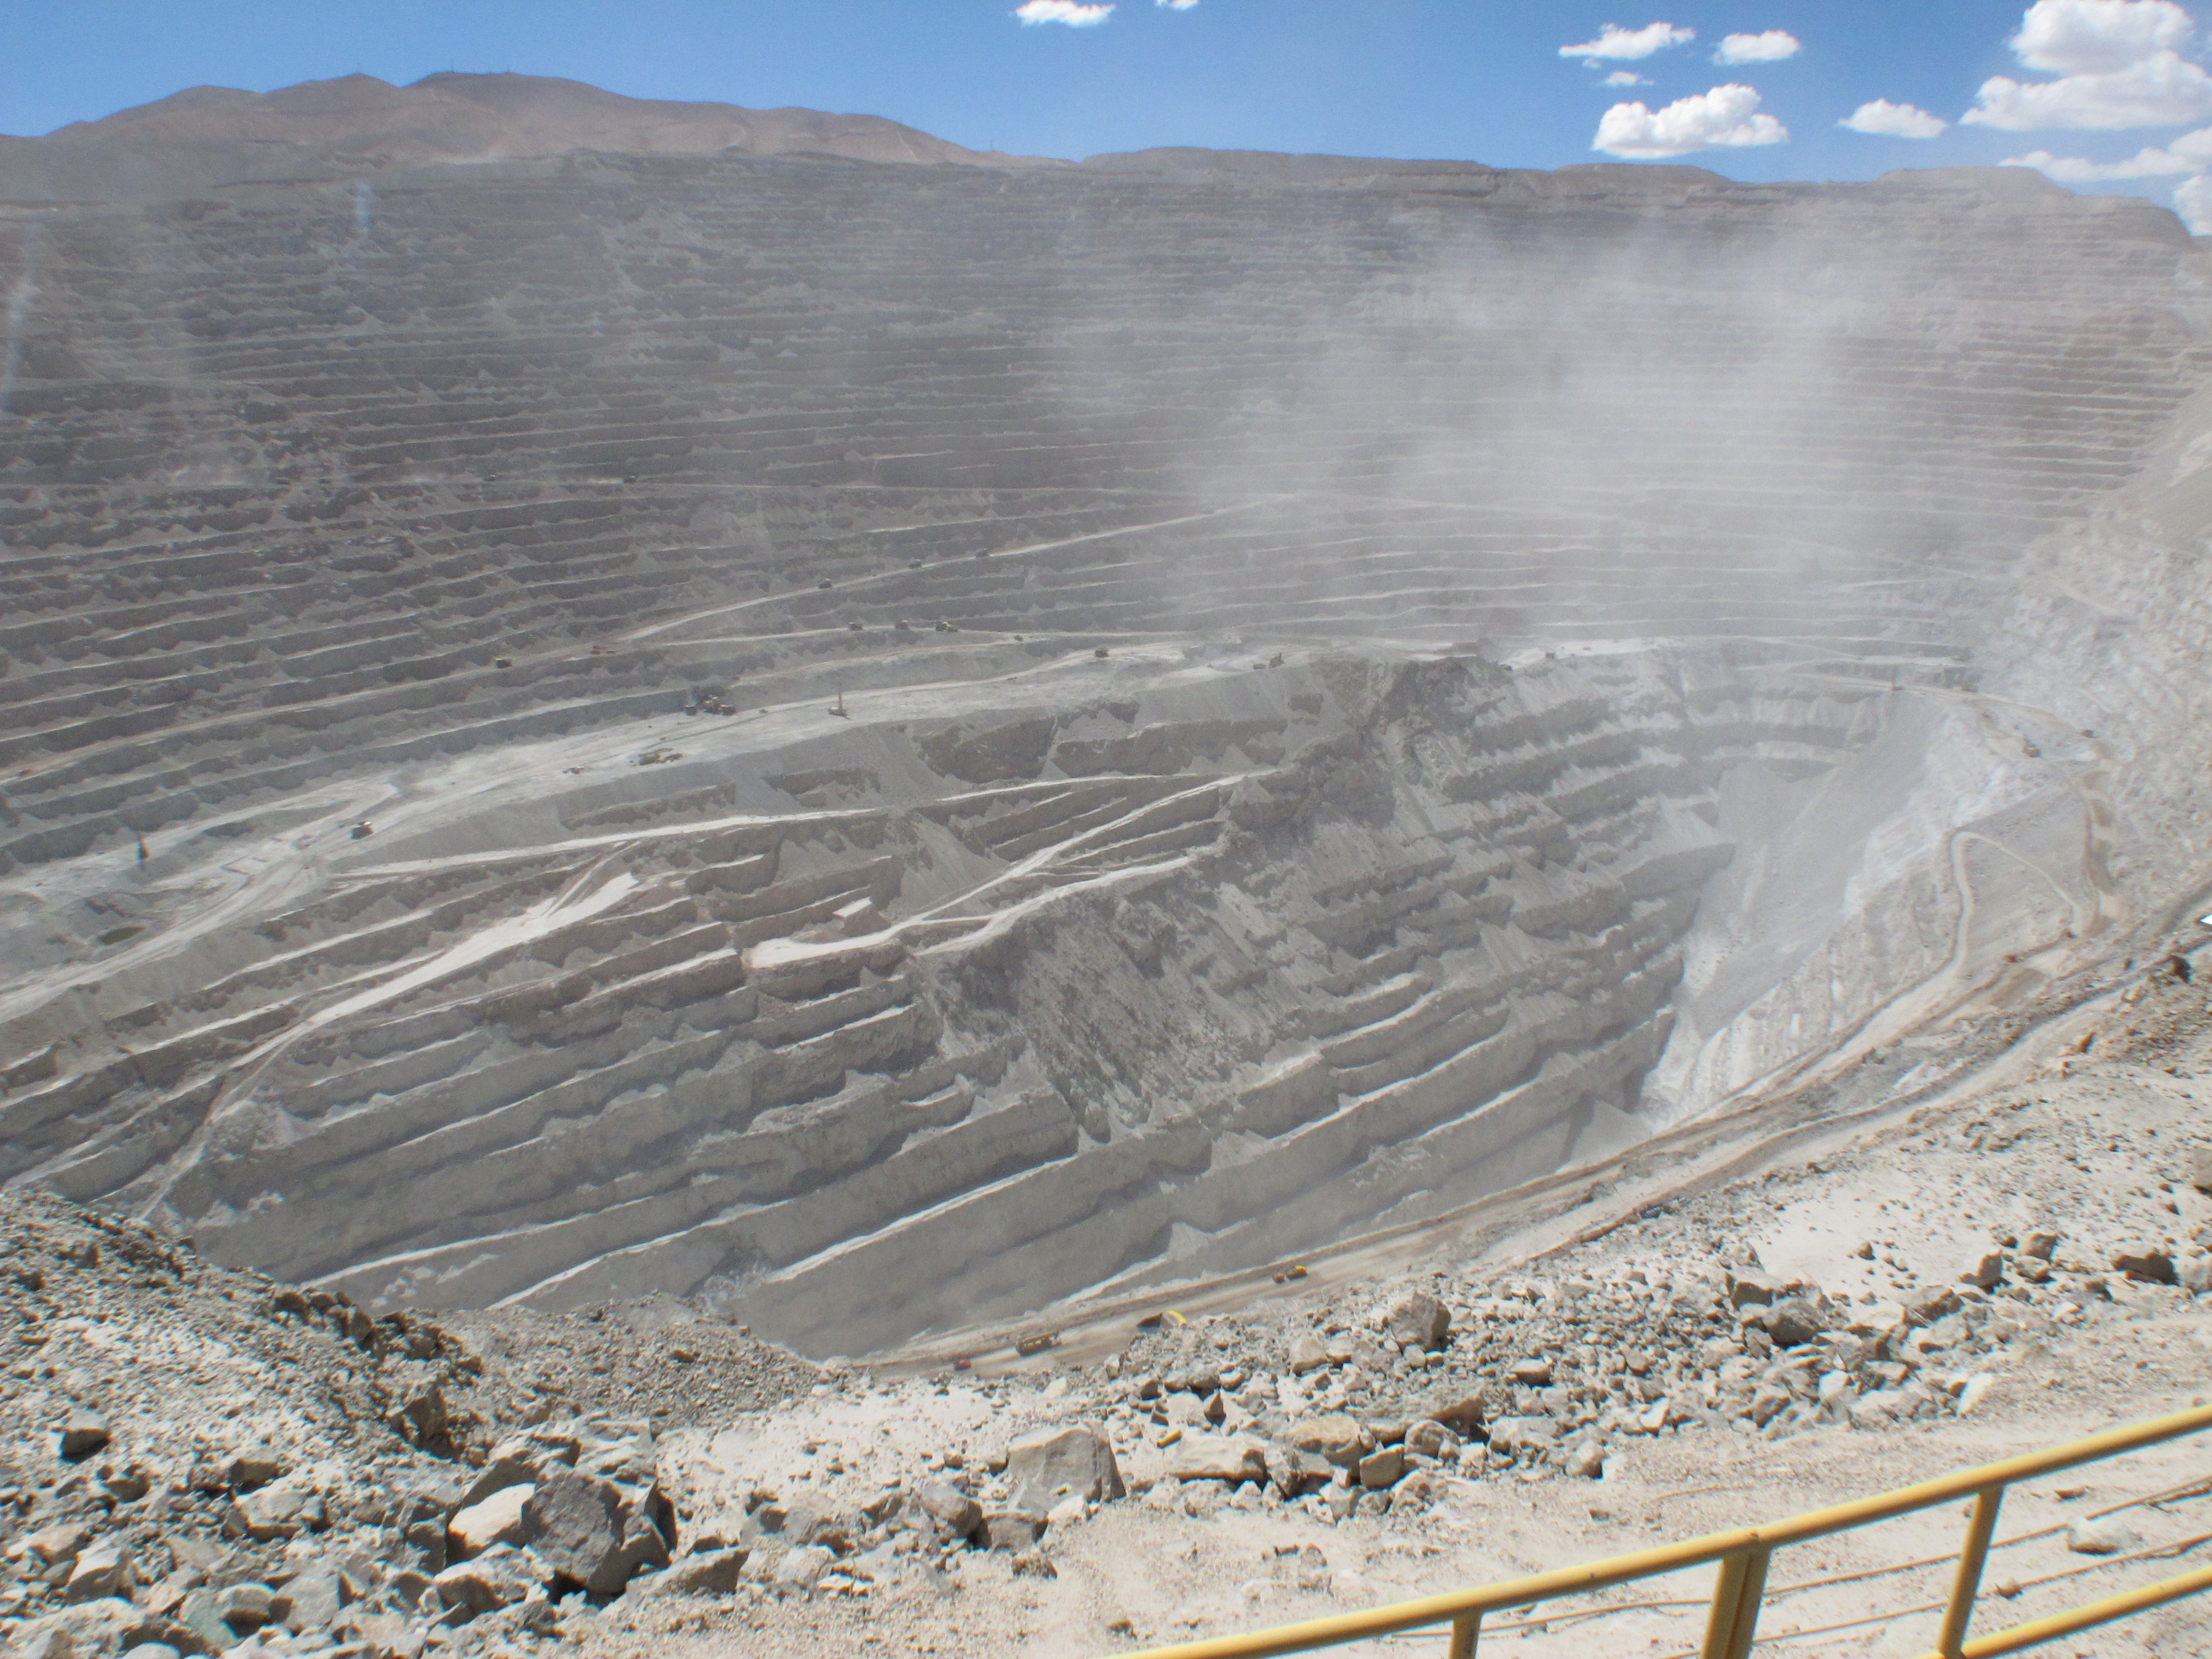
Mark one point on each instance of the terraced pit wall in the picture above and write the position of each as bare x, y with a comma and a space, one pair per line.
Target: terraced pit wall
1353, 686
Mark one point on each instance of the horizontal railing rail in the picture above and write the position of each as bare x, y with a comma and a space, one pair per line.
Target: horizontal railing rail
1743, 1554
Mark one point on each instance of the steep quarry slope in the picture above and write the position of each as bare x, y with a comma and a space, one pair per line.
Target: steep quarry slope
1227, 699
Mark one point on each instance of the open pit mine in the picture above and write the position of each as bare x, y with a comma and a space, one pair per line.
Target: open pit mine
602, 701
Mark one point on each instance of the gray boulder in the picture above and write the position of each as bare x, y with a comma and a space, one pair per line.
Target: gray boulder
577, 1527
710, 1572
953, 1511
312, 1600
499, 1577
1052, 1464
1419, 1319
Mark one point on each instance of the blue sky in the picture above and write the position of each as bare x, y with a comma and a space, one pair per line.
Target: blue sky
2082, 83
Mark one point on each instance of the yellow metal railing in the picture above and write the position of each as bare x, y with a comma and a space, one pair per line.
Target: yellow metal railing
1743, 1555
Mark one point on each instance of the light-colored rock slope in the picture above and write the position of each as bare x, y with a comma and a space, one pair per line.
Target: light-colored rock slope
1303, 655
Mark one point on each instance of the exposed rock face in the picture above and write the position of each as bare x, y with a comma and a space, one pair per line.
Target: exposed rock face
1237, 697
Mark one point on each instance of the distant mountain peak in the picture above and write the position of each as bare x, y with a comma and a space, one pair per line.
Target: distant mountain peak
457, 117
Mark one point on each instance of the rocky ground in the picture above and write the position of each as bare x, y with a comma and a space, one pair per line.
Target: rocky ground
202, 1461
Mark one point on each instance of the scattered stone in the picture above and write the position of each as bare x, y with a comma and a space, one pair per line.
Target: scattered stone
256, 1466
499, 1577
802, 1567
312, 1598
2104, 1535
1747, 1289
1987, 1273
282, 1511
501, 1518
1534, 1373
101, 1570
1307, 1354
2147, 1264
1791, 1322
1336, 1436
1293, 1472
1047, 1466
1011, 1530
1513, 1435
85, 1433
52, 1545
709, 1572
574, 1523
957, 1514
1419, 1319
1230, 1458
1383, 1467
246, 1607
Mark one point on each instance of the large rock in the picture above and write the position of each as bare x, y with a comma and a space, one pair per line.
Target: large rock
1232, 1458
85, 1433
499, 1577
505, 1469
710, 1572
577, 1527
1012, 1529
501, 1518
1461, 1410
1752, 1288
1383, 1467
284, 1509
953, 1511
1047, 1466
312, 1600
100, 1571
251, 1467
1332, 1435
1791, 1321
1419, 1319
1294, 1472
2148, 1264
1519, 1434
2104, 1535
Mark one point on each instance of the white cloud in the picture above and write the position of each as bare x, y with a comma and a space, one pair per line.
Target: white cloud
2191, 152
1725, 117
1625, 78
2194, 202
1884, 119
2097, 37
1770, 47
2162, 91
1176, 5
2119, 63
1616, 42
1072, 13
2146, 163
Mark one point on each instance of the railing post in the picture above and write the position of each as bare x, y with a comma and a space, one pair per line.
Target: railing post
1735, 1605
1972, 1555
1465, 1629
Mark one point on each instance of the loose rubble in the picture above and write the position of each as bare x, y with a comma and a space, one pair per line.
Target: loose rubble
202, 1460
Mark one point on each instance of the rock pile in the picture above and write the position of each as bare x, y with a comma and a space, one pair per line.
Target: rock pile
1378, 1405
203, 1462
